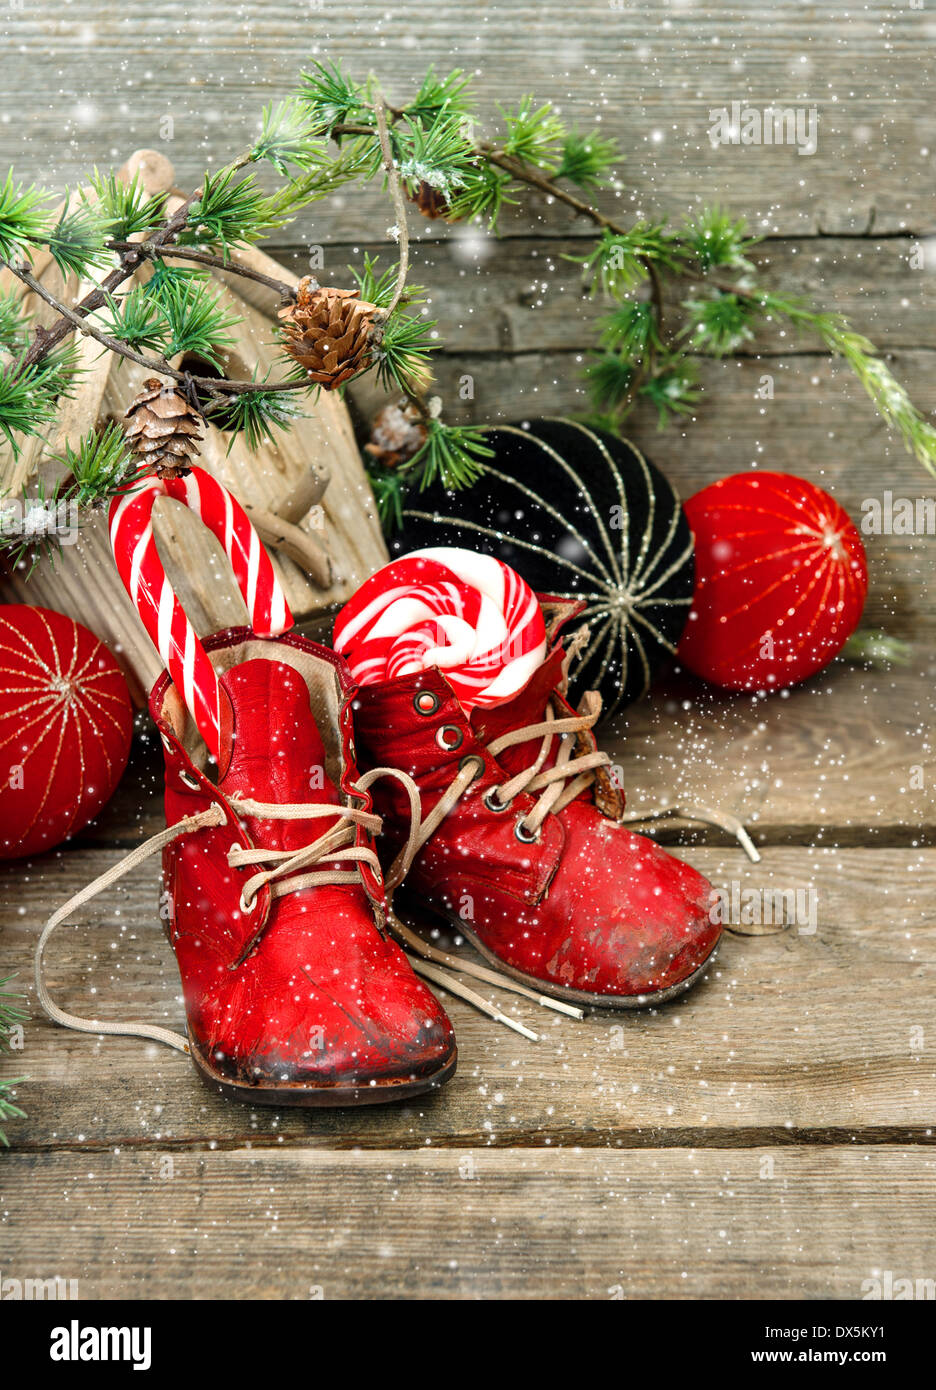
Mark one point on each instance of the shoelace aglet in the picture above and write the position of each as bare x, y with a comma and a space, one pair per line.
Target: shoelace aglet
520, 1028
450, 982
561, 1008
747, 844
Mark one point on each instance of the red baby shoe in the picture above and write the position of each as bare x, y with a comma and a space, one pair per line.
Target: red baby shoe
522, 842
294, 993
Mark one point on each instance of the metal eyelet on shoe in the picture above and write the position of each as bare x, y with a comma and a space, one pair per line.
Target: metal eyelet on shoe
449, 737
192, 783
475, 758
426, 702
493, 802
524, 834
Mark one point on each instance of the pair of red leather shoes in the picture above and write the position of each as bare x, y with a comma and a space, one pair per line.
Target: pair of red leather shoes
295, 991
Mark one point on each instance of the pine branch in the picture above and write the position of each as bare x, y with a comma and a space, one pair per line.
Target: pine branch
288, 136
126, 209
46, 339
871, 647
452, 455
255, 415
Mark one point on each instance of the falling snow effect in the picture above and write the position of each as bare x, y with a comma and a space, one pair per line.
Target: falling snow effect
769, 1136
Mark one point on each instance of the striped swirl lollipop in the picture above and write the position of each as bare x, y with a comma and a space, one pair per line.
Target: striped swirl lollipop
470, 615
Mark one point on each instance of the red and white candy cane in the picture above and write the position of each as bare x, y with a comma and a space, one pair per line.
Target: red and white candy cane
143, 574
468, 614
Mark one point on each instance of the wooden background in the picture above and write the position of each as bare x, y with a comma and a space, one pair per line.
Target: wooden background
771, 1135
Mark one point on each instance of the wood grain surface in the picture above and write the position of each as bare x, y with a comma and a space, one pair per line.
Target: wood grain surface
528, 1224
769, 1135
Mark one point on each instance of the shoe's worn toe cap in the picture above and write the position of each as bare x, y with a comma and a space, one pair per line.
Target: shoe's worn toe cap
336, 1008
627, 918
622, 922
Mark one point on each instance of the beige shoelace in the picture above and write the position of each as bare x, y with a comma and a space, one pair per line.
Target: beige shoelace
557, 786
289, 871
334, 847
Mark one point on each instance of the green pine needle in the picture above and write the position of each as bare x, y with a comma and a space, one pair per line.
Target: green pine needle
610, 380
587, 159
719, 325
196, 320
230, 210
482, 195
673, 390
332, 99
452, 455
353, 161
889, 396
630, 329
877, 649
389, 489
288, 136
438, 154
99, 468
437, 94
138, 320
255, 415
535, 135
9, 1111
76, 242
10, 1016
378, 289
403, 354
28, 396
14, 324
126, 209
717, 242
24, 220
619, 260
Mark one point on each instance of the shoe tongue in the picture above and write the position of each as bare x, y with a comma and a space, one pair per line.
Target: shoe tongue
528, 706
275, 749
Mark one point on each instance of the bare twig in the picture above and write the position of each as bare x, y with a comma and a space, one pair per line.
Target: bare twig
187, 253
209, 385
76, 318
399, 202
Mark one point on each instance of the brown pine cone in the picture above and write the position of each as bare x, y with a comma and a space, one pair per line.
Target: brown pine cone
397, 433
164, 430
429, 200
328, 332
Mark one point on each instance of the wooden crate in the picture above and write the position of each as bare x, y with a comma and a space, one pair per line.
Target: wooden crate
312, 477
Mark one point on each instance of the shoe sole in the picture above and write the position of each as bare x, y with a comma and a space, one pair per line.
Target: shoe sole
608, 1002
301, 1095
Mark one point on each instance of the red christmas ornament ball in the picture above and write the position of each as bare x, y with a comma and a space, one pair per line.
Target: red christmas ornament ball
65, 725
781, 580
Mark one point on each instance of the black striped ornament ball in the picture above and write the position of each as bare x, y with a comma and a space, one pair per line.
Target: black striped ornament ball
581, 515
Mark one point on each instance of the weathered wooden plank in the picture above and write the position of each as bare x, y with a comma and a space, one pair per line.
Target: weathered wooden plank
531, 1224
526, 294
815, 1032
845, 759
196, 79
